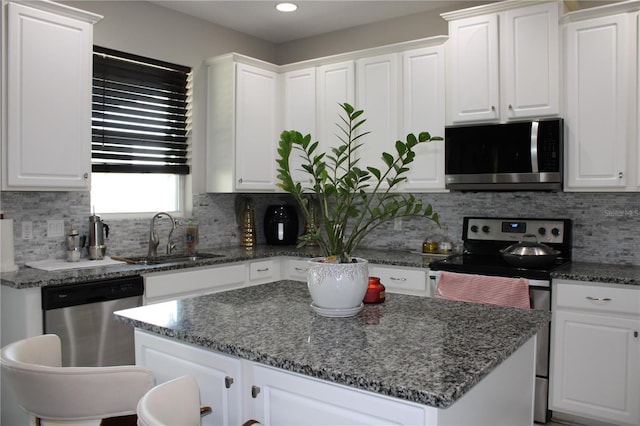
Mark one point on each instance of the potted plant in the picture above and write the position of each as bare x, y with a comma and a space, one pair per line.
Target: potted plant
353, 200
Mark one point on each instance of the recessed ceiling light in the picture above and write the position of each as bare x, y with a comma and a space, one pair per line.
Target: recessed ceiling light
286, 7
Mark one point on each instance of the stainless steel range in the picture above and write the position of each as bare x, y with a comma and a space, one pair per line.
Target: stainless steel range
483, 238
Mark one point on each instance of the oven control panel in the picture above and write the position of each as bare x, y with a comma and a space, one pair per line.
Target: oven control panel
497, 229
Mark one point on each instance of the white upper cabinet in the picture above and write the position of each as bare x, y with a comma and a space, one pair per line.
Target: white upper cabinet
336, 85
503, 62
601, 102
243, 125
423, 102
377, 80
473, 74
49, 71
300, 111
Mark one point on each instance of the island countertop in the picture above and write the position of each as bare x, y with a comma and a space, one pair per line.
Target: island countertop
424, 350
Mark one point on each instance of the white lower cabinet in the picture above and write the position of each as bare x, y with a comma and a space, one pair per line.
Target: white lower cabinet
595, 364
283, 398
178, 284
169, 285
219, 376
295, 268
264, 271
239, 390
403, 280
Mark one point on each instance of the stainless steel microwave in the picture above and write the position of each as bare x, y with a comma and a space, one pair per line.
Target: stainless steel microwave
523, 156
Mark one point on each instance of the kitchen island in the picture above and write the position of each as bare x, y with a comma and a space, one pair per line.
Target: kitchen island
410, 360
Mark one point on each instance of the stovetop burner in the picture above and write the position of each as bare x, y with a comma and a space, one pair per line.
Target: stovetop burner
484, 238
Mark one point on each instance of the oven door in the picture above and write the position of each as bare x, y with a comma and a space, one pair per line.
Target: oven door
540, 296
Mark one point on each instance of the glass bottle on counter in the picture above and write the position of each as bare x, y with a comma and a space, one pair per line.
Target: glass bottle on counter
375, 291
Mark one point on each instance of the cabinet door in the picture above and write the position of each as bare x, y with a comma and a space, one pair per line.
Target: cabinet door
219, 376
49, 100
597, 101
531, 62
377, 94
402, 280
300, 112
474, 68
289, 399
264, 271
596, 371
163, 286
256, 128
424, 110
336, 85
296, 269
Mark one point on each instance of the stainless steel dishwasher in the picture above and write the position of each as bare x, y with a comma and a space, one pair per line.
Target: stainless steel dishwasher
82, 315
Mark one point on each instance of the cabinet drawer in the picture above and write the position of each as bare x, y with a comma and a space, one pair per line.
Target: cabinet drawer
296, 269
161, 286
262, 270
402, 280
597, 297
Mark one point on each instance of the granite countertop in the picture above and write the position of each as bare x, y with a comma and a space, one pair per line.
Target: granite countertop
26, 277
599, 272
424, 350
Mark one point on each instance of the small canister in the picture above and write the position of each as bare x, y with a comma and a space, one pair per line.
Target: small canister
375, 291
429, 246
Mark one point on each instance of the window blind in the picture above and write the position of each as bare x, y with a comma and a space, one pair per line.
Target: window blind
140, 114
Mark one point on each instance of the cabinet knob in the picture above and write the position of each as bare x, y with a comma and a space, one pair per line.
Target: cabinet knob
493, 108
510, 107
620, 175
86, 175
240, 180
228, 381
255, 390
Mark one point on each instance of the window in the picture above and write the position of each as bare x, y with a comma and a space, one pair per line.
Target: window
140, 133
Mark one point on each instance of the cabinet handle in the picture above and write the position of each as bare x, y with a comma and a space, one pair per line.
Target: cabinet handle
300, 269
599, 299
262, 270
228, 381
255, 390
635, 334
397, 279
620, 175
493, 109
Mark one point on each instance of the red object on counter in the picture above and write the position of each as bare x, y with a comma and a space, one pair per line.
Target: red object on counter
375, 291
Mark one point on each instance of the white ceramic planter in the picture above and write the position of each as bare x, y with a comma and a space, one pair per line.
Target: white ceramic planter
337, 289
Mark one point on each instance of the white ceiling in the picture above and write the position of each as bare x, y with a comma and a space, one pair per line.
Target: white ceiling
313, 17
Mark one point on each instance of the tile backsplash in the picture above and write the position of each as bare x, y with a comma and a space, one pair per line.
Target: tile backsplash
606, 225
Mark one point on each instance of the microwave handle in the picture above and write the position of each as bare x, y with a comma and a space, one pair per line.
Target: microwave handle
534, 146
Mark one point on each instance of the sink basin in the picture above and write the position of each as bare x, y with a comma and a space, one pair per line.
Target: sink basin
166, 259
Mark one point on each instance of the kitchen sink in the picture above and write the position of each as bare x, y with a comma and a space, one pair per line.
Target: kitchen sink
167, 259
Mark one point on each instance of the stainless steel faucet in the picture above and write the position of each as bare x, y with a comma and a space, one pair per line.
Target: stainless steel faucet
154, 240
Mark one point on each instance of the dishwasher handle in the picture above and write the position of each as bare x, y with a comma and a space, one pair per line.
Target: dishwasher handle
67, 295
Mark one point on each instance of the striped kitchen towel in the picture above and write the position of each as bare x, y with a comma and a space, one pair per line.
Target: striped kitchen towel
484, 289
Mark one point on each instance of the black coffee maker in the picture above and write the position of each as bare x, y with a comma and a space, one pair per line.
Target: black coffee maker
281, 225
